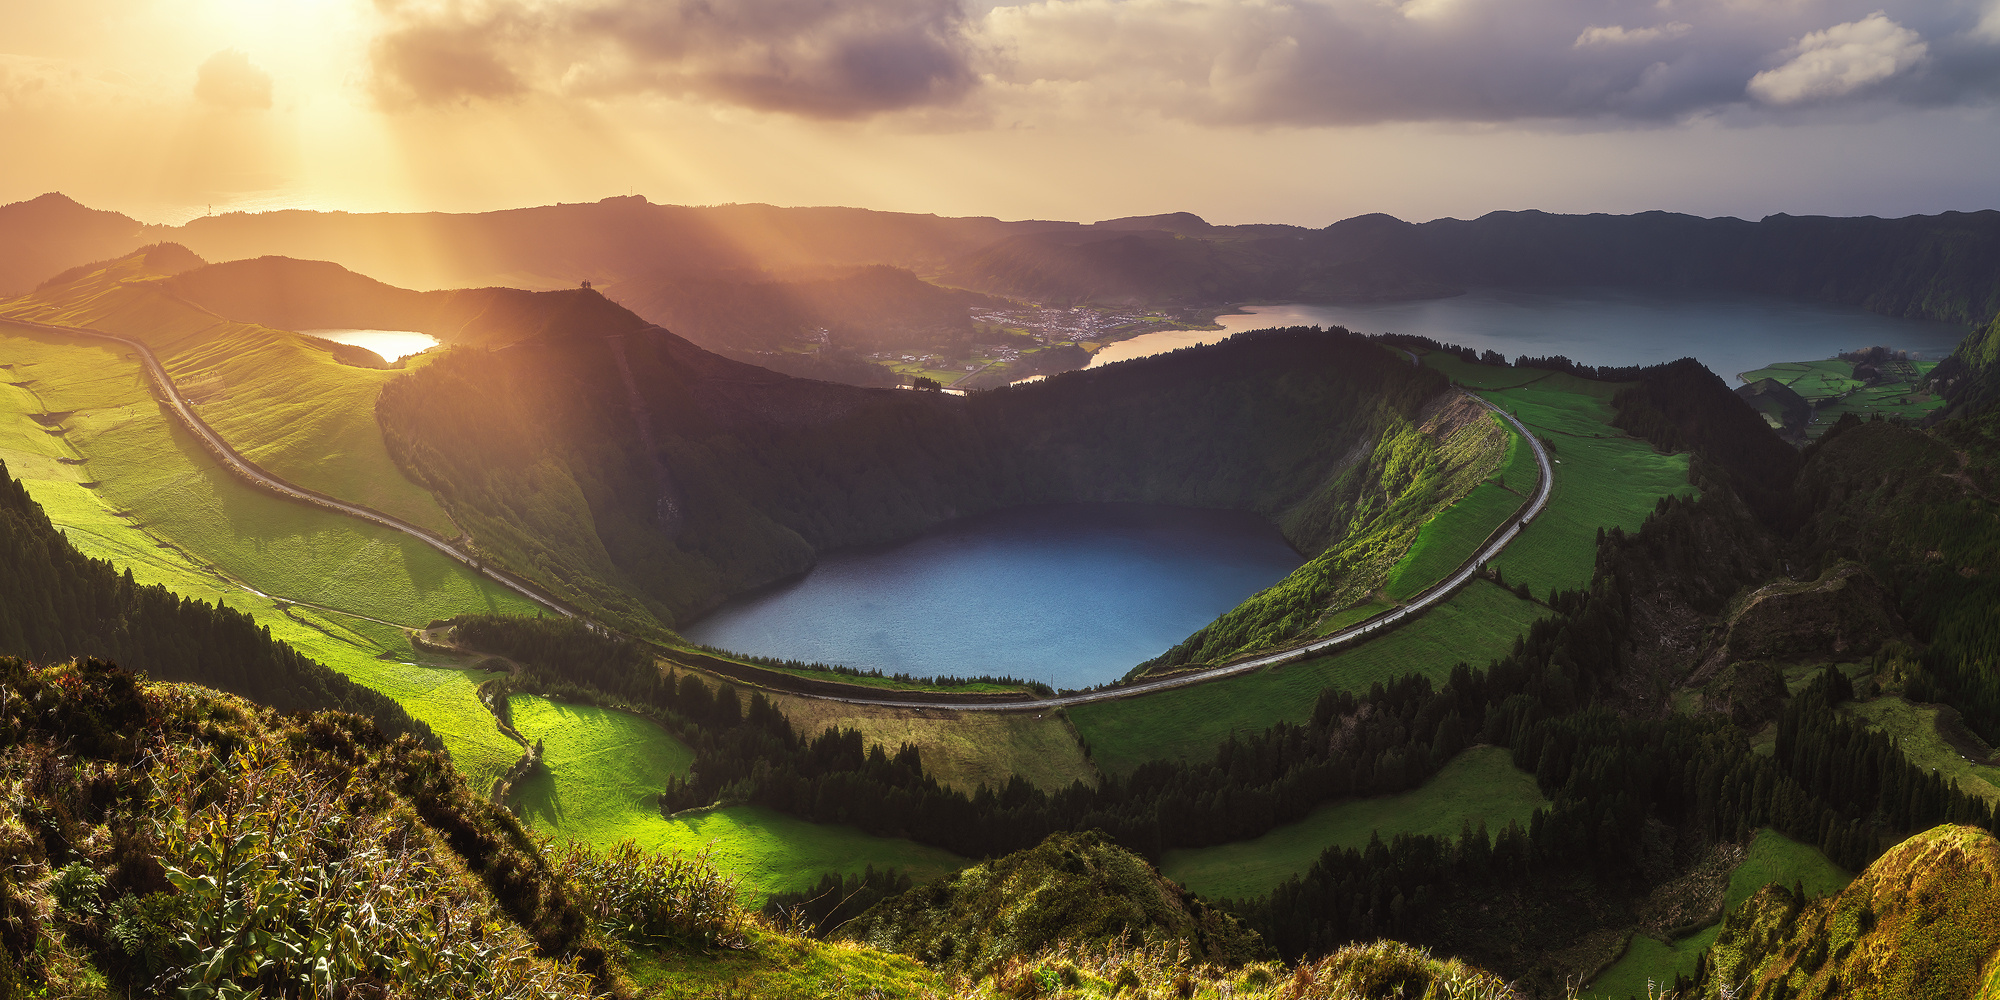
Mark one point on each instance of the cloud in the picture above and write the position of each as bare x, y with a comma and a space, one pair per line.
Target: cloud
1616, 35
1332, 62
1609, 63
813, 58
1839, 61
1988, 28
228, 80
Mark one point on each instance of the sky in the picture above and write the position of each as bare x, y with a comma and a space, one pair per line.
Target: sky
1295, 111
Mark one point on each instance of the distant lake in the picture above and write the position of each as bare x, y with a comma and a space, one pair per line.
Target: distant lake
391, 345
1069, 594
1597, 326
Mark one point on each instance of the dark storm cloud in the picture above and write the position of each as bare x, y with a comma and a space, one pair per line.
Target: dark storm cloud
228, 80
816, 58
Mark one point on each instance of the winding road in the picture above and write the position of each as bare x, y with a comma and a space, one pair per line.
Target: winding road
249, 470
1416, 606
246, 469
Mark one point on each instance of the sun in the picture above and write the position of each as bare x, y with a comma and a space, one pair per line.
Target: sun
317, 41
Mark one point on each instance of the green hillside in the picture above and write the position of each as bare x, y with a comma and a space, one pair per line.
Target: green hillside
1918, 922
160, 506
1479, 788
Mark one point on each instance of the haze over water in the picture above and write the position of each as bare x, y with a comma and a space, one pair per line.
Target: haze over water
1071, 594
389, 345
1597, 326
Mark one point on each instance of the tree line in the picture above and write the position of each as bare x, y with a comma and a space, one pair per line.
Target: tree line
57, 603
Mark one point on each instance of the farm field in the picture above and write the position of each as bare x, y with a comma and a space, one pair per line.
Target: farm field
281, 399
964, 749
1603, 479
1475, 625
1914, 727
600, 786
1831, 386
1817, 381
1773, 858
1480, 784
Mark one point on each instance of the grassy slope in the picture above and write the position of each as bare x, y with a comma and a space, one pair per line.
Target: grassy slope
1476, 625
279, 398
1914, 728
963, 750
783, 967
1922, 921
1603, 479
199, 531
1479, 784
1452, 534
605, 769
1450, 538
1774, 859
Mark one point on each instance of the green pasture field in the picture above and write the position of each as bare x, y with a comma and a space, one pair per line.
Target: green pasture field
1476, 625
1895, 399
1350, 616
1914, 727
1773, 859
1481, 376
119, 439
605, 770
1815, 380
961, 749
305, 417
278, 397
1518, 471
1481, 784
150, 467
1603, 479
1450, 538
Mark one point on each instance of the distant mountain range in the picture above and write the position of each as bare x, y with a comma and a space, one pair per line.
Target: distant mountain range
1940, 267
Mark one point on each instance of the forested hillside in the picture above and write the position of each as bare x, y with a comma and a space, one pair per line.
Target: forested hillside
56, 603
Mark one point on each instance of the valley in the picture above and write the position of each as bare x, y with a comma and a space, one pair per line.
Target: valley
1547, 636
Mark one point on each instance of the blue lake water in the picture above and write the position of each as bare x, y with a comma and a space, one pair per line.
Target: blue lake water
1598, 326
1070, 594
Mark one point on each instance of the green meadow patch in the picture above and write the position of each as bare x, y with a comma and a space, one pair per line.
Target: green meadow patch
1603, 479
1476, 625
601, 782
1914, 727
1479, 785
158, 505
1773, 859
1817, 381
1476, 376
1450, 538
151, 468
280, 398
